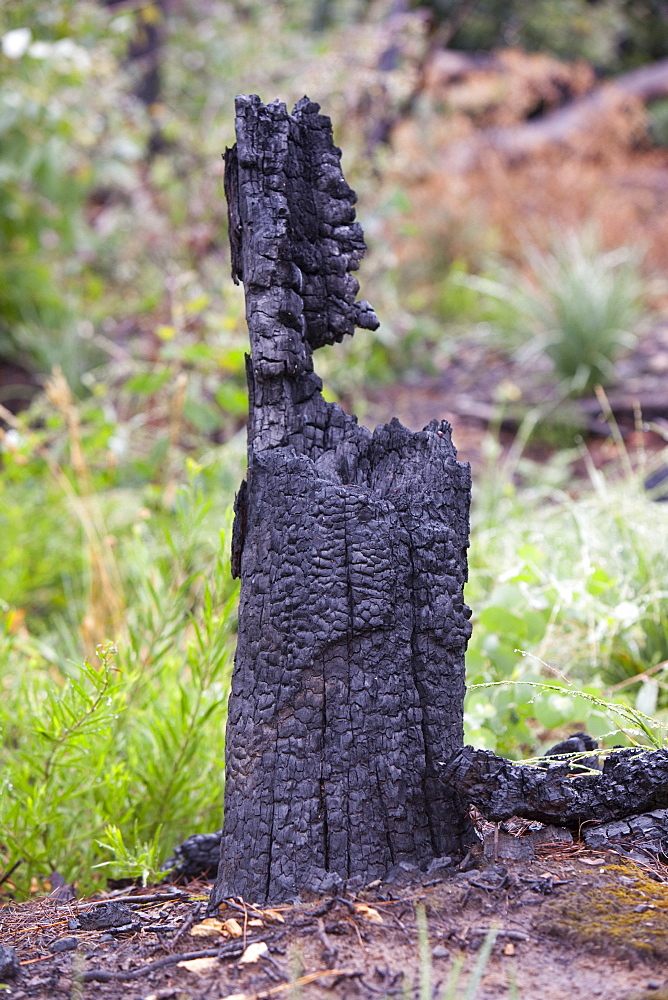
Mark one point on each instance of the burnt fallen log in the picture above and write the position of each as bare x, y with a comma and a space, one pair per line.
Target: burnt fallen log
196, 857
631, 782
348, 682
564, 126
634, 836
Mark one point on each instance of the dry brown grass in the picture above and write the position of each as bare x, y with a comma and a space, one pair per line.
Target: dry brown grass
466, 192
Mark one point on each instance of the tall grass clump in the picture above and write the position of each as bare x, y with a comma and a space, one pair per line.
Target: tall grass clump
579, 305
567, 588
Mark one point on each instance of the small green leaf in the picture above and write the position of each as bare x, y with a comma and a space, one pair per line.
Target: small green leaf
147, 383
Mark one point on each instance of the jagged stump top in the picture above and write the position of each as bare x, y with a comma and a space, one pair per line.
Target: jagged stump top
307, 241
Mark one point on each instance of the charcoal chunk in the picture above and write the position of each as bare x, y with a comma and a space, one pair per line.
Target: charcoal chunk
197, 857
9, 963
109, 914
63, 944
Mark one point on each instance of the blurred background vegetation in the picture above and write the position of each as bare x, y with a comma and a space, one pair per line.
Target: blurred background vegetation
122, 387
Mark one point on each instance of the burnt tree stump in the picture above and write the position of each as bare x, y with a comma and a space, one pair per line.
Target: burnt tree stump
348, 683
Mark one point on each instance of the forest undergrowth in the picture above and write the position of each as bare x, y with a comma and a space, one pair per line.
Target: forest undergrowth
122, 394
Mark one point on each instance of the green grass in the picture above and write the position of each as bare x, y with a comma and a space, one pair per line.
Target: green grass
455, 986
134, 739
568, 588
118, 754
579, 305
130, 734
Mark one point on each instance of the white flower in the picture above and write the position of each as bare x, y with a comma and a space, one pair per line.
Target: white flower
65, 53
41, 50
12, 440
68, 50
16, 43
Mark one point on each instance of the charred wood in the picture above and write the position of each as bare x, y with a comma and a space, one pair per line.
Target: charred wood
196, 857
634, 836
351, 546
631, 782
564, 126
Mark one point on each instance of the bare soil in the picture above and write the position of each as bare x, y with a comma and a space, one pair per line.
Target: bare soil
481, 389
569, 924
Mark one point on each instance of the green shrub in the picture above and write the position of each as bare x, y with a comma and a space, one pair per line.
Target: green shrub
613, 34
56, 148
137, 740
111, 547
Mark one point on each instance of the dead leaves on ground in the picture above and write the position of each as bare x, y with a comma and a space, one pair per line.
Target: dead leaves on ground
253, 953
199, 965
368, 912
233, 928
212, 926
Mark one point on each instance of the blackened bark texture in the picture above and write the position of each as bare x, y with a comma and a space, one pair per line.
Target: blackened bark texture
349, 676
196, 857
631, 782
634, 836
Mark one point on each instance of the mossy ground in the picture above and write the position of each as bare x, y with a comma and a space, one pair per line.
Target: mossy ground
622, 910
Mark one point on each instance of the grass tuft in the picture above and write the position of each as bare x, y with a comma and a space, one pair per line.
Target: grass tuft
578, 304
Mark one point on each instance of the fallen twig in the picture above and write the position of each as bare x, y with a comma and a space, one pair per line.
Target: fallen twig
104, 976
186, 925
311, 977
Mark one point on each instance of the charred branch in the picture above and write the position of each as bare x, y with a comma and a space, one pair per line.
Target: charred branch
564, 126
631, 782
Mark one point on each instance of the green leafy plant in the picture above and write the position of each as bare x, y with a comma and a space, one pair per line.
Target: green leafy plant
142, 861
574, 581
616, 34
635, 725
56, 149
83, 747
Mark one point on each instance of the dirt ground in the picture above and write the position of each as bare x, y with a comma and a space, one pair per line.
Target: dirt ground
482, 391
569, 924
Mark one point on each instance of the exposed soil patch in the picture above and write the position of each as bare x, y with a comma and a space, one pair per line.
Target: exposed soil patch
570, 924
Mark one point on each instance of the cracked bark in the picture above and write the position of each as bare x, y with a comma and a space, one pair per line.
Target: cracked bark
348, 683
